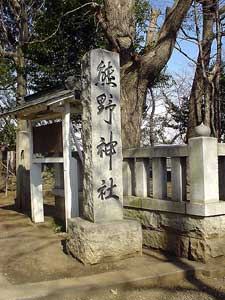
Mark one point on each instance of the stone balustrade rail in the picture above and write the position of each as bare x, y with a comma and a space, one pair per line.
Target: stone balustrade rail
185, 179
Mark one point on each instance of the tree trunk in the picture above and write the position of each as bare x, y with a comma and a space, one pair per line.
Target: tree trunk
201, 102
133, 92
138, 70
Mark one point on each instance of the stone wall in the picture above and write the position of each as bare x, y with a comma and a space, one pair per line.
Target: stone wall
196, 238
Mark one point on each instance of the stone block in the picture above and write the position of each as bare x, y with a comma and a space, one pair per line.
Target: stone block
166, 241
92, 243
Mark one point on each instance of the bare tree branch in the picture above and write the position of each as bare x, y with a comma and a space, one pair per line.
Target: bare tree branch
178, 48
151, 34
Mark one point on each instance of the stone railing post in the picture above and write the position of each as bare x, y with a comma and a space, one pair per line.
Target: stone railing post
203, 159
178, 178
159, 175
142, 177
127, 177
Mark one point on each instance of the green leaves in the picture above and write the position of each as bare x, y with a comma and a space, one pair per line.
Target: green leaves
142, 11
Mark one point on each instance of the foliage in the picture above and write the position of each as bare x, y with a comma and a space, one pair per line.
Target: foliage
142, 11
8, 133
50, 63
7, 100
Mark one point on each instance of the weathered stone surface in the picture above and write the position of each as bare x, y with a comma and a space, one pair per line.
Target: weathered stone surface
191, 226
93, 243
166, 241
192, 237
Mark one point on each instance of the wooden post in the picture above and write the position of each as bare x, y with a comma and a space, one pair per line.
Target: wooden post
70, 190
23, 167
37, 202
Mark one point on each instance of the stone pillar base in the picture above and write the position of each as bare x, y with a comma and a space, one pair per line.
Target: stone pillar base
92, 243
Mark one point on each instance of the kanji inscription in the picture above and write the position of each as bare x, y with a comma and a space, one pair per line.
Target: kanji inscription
102, 136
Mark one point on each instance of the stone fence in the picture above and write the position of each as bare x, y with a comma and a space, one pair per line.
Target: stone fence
201, 163
184, 214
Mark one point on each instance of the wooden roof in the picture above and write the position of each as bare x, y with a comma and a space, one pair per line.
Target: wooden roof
47, 105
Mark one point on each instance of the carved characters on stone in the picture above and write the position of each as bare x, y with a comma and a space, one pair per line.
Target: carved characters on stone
107, 149
104, 101
105, 72
104, 105
106, 192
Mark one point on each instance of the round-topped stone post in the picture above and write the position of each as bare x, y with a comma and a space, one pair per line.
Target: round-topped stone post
103, 233
203, 159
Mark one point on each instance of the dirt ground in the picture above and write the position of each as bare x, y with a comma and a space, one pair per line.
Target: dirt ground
33, 253
204, 289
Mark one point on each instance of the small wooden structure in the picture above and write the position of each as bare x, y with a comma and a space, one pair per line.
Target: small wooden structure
49, 144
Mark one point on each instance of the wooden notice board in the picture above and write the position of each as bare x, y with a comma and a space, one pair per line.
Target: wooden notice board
47, 139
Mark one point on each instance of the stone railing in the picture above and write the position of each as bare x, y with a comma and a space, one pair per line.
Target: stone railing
147, 186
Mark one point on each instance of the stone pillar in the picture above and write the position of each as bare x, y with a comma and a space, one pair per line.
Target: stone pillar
142, 177
178, 178
104, 234
103, 187
159, 176
203, 159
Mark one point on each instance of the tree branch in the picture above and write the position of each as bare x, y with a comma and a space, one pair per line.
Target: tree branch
93, 4
174, 18
7, 54
153, 60
151, 34
187, 35
185, 54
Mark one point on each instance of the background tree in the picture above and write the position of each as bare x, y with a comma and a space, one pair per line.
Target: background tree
205, 31
52, 62
166, 118
20, 29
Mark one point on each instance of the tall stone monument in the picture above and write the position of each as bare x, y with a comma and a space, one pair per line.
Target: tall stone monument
102, 233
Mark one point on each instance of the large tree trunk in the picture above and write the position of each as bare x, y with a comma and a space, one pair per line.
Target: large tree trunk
133, 92
139, 70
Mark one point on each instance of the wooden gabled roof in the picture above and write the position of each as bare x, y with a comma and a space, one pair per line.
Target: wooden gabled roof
45, 105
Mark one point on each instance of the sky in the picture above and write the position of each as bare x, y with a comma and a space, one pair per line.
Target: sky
178, 63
